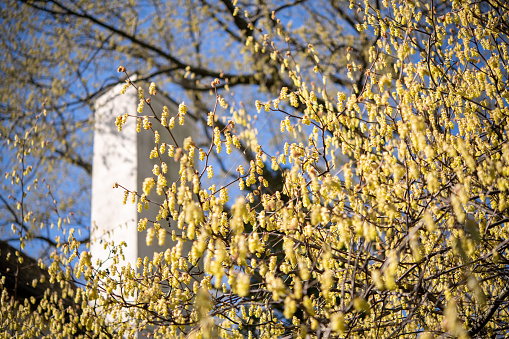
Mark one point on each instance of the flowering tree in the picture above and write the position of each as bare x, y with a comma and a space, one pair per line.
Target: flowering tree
153, 40
379, 212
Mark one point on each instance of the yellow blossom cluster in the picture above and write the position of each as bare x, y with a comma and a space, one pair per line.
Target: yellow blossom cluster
380, 212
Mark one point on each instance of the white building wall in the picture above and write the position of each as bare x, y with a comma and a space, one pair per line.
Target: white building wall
123, 157
115, 159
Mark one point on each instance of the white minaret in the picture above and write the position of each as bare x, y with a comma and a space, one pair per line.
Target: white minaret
123, 158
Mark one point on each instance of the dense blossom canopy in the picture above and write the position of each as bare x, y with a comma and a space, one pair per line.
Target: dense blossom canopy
379, 210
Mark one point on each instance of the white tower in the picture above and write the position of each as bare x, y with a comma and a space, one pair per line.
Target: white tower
123, 158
